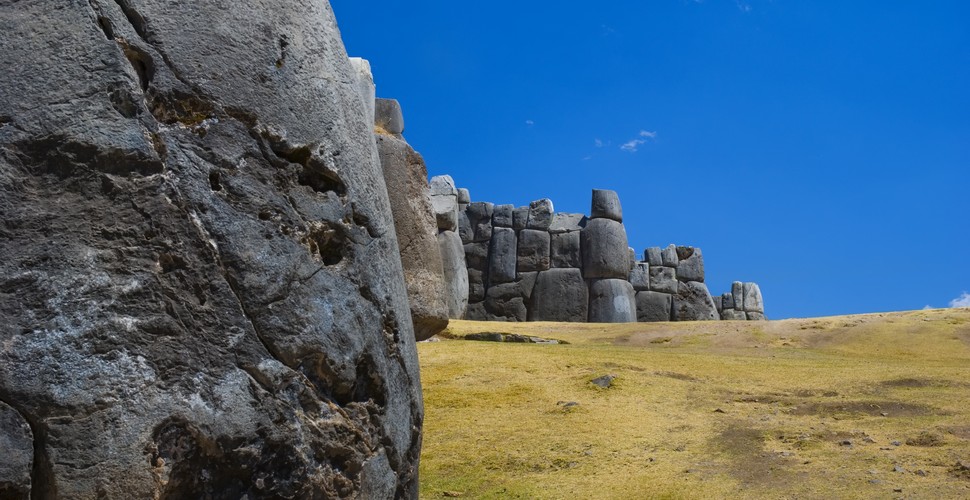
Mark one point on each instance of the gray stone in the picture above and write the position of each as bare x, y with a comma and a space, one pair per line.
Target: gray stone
718, 303
446, 212
603, 382
456, 273
476, 312
520, 218
565, 250
560, 295
505, 302
611, 300
476, 255
663, 279
669, 256
605, 250
693, 302
567, 223
476, 285
465, 230
443, 185
17, 457
533, 251
480, 218
464, 197
640, 276
737, 291
632, 260
690, 265
405, 175
752, 298
727, 301
201, 287
365, 87
388, 116
501, 256
540, 214
732, 315
755, 316
654, 306
527, 282
606, 205
653, 256
502, 216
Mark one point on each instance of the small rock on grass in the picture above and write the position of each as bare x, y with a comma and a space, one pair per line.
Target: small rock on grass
606, 381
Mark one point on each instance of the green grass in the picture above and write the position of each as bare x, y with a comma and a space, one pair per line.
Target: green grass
702, 410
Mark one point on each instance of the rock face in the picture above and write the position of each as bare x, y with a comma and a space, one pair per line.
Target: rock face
560, 295
388, 116
200, 287
444, 202
405, 174
606, 205
653, 306
612, 301
605, 250
456, 274
693, 302
17, 443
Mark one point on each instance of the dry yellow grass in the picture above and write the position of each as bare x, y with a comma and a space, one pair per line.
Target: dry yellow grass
703, 410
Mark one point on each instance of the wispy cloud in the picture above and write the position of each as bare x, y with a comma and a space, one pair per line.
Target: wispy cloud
598, 143
743, 6
632, 145
530, 123
587, 157
962, 301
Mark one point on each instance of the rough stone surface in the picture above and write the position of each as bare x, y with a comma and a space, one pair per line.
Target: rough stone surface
480, 218
718, 302
605, 250
560, 295
527, 283
563, 222
606, 205
201, 294
693, 302
476, 312
669, 256
465, 230
654, 306
405, 174
663, 279
520, 218
533, 251
505, 302
444, 202
611, 300
476, 255
755, 316
737, 291
727, 301
565, 250
443, 185
653, 256
502, 216
732, 315
464, 197
690, 264
16, 454
501, 256
540, 214
640, 277
388, 116
456, 273
752, 298
476, 285
365, 86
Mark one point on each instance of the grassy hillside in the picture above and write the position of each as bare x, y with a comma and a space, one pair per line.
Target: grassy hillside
869, 406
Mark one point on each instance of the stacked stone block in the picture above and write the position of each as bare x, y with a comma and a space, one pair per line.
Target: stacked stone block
444, 203
743, 302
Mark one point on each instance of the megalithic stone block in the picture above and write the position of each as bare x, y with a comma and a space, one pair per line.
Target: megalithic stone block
605, 250
540, 214
752, 298
565, 250
690, 264
640, 277
669, 256
444, 202
465, 230
365, 86
501, 256
732, 315
755, 316
693, 302
737, 291
527, 283
567, 223
502, 216
663, 279
476, 285
388, 116
480, 219
476, 312
456, 273
606, 205
654, 306
560, 295
727, 301
520, 218
476, 255
533, 251
653, 256
464, 197
505, 302
612, 300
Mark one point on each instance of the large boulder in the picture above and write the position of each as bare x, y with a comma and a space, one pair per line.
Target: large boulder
663, 279
540, 214
563, 222
505, 302
605, 250
201, 293
565, 250
560, 295
612, 300
653, 306
640, 276
456, 273
753, 303
365, 86
693, 302
444, 202
502, 215
414, 225
388, 116
480, 220
653, 256
606, 205
17, 459
501, 255
533, 251
690, 264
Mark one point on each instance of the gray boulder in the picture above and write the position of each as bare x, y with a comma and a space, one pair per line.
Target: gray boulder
476, 312
567, 223
443, 185
463, 196
476, 255
605, 250
540, 214
476, 285
366, 89
653, 256
611, 300
520, 218
755, 316
718, 303
465, 230
533, 251
505, 302
405, 174
732, 315
654, 306
693, 302
502, 216
606, 205
527, 283
737, 291
501, 256
388, 116
444, 202
752, 298
663, 279
669, 256
727, 301
201, 290
560, 295
564, 250
690, 264
640, 276
480, 219
456, 273
16, 462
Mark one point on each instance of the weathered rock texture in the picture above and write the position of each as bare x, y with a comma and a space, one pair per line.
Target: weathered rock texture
200, 288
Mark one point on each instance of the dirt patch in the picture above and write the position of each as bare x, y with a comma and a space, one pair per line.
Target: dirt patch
749, 462
869, 408
920, 382
811, 393
678, 376
926, 439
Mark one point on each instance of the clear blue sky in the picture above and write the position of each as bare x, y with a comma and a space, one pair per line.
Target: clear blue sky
819, 148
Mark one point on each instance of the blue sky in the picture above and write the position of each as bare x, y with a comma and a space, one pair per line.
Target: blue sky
819, 148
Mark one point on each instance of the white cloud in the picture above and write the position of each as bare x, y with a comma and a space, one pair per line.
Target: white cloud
927, 307
962, 301
587, 158
530, 123
632, 145
598, 143
743, 6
